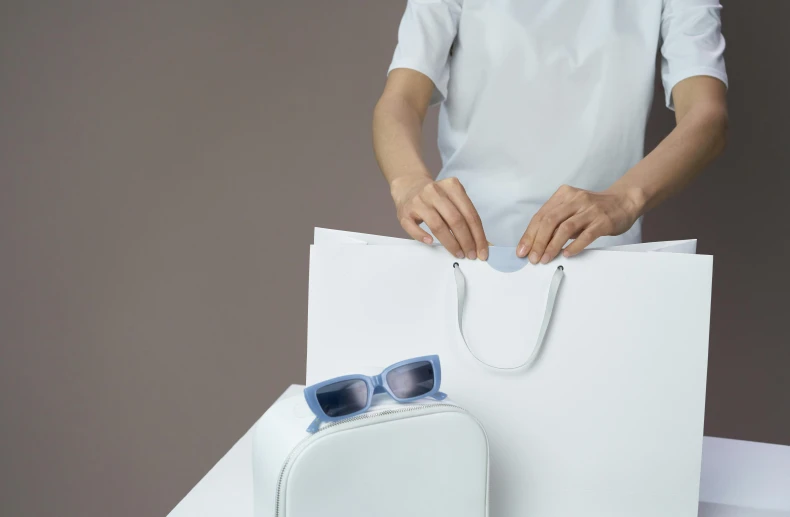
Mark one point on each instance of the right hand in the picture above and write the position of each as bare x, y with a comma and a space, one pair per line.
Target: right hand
447, 210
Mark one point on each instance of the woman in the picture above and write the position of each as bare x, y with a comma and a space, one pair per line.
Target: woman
543, 111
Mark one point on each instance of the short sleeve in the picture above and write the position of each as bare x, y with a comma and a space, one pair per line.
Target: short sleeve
426, 34
692, 42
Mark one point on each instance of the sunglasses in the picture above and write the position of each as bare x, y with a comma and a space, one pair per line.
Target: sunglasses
350, 395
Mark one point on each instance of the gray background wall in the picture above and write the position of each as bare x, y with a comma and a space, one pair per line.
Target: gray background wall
162, 165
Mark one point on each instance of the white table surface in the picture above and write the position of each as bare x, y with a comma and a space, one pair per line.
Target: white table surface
739, 479
226, 491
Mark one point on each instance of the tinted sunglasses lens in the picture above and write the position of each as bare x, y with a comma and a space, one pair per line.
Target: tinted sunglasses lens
343, 398
411, 380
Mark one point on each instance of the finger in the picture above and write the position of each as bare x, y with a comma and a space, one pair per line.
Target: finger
459, 197
528, 239
414, 230
525, 244
434, 195
568, 229
458, 225
548, 226
585, 239
440, 229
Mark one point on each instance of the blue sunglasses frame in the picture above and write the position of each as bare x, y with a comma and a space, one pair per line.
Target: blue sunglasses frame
376, 384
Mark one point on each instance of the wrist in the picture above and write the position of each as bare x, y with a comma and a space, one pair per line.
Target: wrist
634, 199
402, 185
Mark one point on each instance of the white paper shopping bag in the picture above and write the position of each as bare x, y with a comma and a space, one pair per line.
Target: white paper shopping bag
604, 418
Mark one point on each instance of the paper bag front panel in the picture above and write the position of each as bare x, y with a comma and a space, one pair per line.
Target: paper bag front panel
608, 420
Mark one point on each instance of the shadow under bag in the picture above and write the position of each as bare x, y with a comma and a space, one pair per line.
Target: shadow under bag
421, 459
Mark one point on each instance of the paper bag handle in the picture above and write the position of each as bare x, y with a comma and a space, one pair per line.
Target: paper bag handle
460, 285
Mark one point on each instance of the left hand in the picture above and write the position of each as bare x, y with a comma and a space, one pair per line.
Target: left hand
583, 215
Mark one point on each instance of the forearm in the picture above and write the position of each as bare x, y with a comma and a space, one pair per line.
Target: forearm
397, 136
442, 205
698, 138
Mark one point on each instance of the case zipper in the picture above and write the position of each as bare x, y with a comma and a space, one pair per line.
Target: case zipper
367, 416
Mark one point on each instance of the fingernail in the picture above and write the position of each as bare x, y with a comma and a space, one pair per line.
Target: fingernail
522, 250
533, 257
565, 253
426, 240
471, 255
546, 258
483, 254
460, 254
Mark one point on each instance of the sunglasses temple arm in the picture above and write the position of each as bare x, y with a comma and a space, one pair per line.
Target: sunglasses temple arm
314, 426
439, 396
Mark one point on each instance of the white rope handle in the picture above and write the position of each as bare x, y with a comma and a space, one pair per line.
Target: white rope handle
460, 285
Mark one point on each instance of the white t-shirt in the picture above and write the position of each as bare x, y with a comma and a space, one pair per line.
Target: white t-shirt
540, 93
